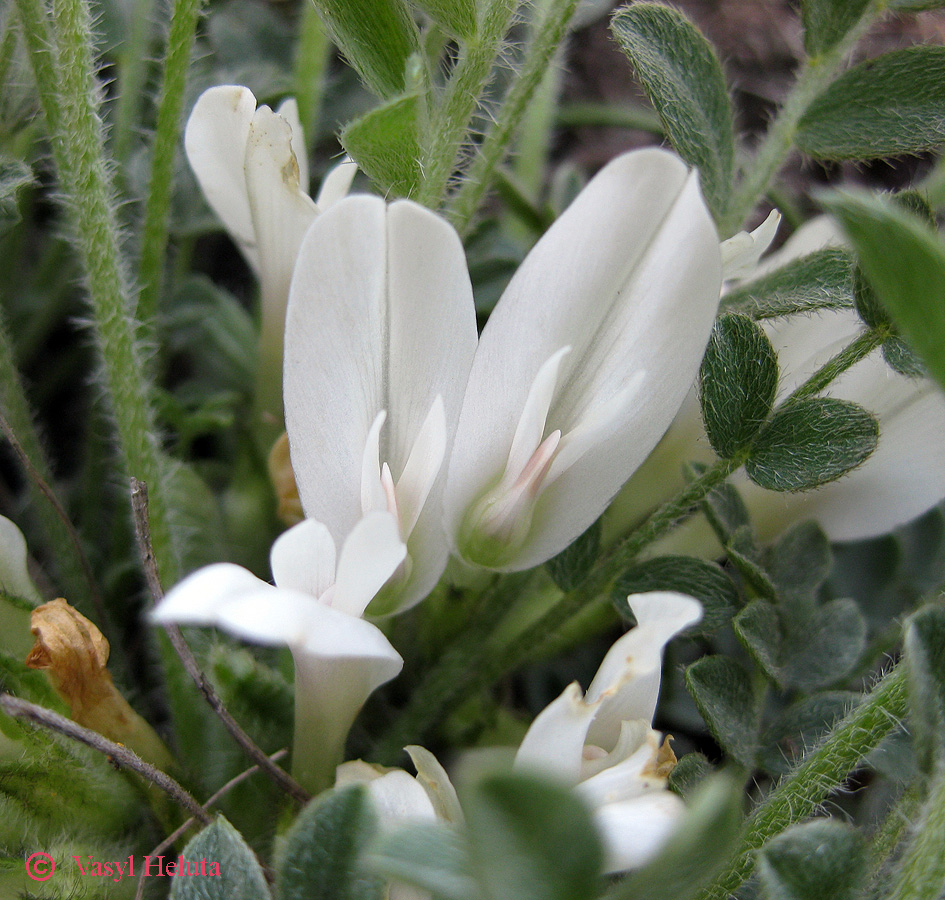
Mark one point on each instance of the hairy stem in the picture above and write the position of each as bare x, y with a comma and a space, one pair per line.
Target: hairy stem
180, 44
822, 771
549, 34
450, 123
815, 77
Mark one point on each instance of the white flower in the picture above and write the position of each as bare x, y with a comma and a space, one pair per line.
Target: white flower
380, 336
584, 362
315, 608
903, 478
253, 169
602, 742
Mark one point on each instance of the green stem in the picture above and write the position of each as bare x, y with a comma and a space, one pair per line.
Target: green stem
450, 123
859, 348
922, 873
65, 76
473, 663
606, 115
549, 34
133, 73
816, 75
154, 238
890, 835
821, 772
311, 65
7, 46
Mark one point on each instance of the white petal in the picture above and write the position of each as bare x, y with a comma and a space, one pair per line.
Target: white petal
381, 317
741, 252
15, 580
289, 110
628, 680
422, 467
281, 211
343, 660
201, 597
554, 744
628, 778
215, 142
399, 798
629, 276
336, 184
373, 496
436, 782
369, 556
303, 559
634, 831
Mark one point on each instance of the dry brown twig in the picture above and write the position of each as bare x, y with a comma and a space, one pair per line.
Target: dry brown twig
139, 505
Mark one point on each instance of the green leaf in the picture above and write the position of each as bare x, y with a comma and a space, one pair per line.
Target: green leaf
827, 21
821, 280
697, 849
867, 304
14, 175
377, 37
726, 512
724, 695
745, 556
882, 107
689, 773
821, 860
904, 260
758, 627
431, 857
321, 854
807, 654
902, 358
238, 875
458, 17
916, 5
925, 663
811, 442
531, 839
800, 563
385, 143
572, 565
700, 579
683, 78
738, 381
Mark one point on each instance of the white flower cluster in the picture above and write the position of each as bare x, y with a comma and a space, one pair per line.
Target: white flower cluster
413, 439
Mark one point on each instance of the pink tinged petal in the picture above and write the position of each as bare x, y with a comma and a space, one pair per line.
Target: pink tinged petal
336, 184
215, 141
635, 830
627, 682
289, 110
554, 744
369, 557
422, 467
303, 559
741, 252
629, 277
381, 317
